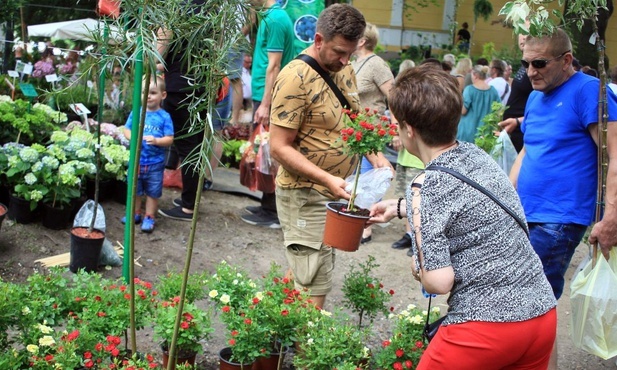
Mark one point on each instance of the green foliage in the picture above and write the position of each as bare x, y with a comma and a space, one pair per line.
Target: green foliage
169, 285
194, 327
488, 51
482, 9
364, 293
485, 137
333, 341
233, 148
405, 347
22, 122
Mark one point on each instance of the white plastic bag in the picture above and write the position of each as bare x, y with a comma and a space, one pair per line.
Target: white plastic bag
372, 186
83, 218
504, 152
593, 297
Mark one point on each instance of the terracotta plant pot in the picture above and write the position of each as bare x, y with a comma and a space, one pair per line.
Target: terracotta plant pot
3, 211
181, 358
271, 362
85, 249
343, 230
225, 362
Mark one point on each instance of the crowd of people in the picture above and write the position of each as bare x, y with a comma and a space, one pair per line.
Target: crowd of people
499, 244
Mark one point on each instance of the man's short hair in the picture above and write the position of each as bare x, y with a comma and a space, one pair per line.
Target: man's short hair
341, 20
558, 42
427, 99
500, 66
371, 35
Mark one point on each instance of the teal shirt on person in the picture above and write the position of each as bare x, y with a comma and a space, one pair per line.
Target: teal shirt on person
478, 104
275, 35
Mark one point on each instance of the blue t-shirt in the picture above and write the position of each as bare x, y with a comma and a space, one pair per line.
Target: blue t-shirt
157, 124
557, 182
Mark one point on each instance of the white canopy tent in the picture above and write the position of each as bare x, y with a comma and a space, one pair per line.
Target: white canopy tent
78, 29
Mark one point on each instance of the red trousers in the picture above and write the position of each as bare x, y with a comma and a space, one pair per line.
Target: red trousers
486, 345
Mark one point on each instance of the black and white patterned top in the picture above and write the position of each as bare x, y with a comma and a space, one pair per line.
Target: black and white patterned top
497, 275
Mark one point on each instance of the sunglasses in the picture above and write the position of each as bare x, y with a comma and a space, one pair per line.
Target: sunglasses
541, 63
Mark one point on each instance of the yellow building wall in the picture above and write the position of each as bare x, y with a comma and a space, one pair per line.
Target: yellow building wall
379, 12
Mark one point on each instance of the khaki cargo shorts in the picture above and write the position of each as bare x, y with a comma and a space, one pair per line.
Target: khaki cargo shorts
302, 214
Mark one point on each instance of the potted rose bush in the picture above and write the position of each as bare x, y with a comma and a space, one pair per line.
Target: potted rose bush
364, 293
364, 133
406, 345
194, 327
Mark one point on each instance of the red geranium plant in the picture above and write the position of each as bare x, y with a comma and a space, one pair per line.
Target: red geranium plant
365, 133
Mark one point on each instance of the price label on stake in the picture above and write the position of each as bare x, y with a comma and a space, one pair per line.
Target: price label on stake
13, 74
28, 69
28, 90
79, 109
51, 78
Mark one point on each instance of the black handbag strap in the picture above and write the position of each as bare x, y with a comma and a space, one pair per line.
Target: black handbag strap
326, 77
483, 190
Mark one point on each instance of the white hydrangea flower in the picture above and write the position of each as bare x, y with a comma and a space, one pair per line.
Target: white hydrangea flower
36, 195
30, 179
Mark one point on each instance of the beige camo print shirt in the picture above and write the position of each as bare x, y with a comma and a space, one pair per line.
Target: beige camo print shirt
302, 100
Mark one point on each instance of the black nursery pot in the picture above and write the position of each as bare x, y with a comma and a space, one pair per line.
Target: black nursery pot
56, 218
85, 250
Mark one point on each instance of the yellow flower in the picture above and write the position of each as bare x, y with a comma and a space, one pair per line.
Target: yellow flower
32, 348
25, 310
213, 293
259, 295
417, 319
435, 310
47, 341
45, 329
225, 298
326, 313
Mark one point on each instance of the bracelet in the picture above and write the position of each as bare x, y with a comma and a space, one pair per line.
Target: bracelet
517, 121
398, 208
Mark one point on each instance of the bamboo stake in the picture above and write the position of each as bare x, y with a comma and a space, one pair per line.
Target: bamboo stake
602, 135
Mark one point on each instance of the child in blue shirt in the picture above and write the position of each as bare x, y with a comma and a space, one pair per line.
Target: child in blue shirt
158, 134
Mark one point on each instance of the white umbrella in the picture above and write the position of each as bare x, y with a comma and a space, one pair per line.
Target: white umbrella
78, 29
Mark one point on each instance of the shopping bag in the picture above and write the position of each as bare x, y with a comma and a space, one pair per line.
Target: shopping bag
504, 152
253, 165
593, 297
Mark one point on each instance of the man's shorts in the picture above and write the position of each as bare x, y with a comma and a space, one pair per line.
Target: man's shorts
302, 214
404, 177
150, 180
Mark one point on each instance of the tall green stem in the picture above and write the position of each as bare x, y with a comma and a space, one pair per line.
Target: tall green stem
355, 184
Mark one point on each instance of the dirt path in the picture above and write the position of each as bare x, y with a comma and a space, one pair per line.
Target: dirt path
222, 235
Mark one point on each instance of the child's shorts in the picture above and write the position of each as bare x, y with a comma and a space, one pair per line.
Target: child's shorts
150, 180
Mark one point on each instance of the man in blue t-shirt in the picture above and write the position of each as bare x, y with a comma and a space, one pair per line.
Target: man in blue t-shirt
158, 134
556, 171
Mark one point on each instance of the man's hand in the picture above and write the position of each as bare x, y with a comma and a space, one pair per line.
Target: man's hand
509, 124
605, 234
337, 185
397, 144
262, 115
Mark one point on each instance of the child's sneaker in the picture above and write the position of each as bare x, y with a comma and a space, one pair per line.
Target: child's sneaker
148, 225
137, 219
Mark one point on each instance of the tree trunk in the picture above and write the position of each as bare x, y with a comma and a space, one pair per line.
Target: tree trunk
585, 52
